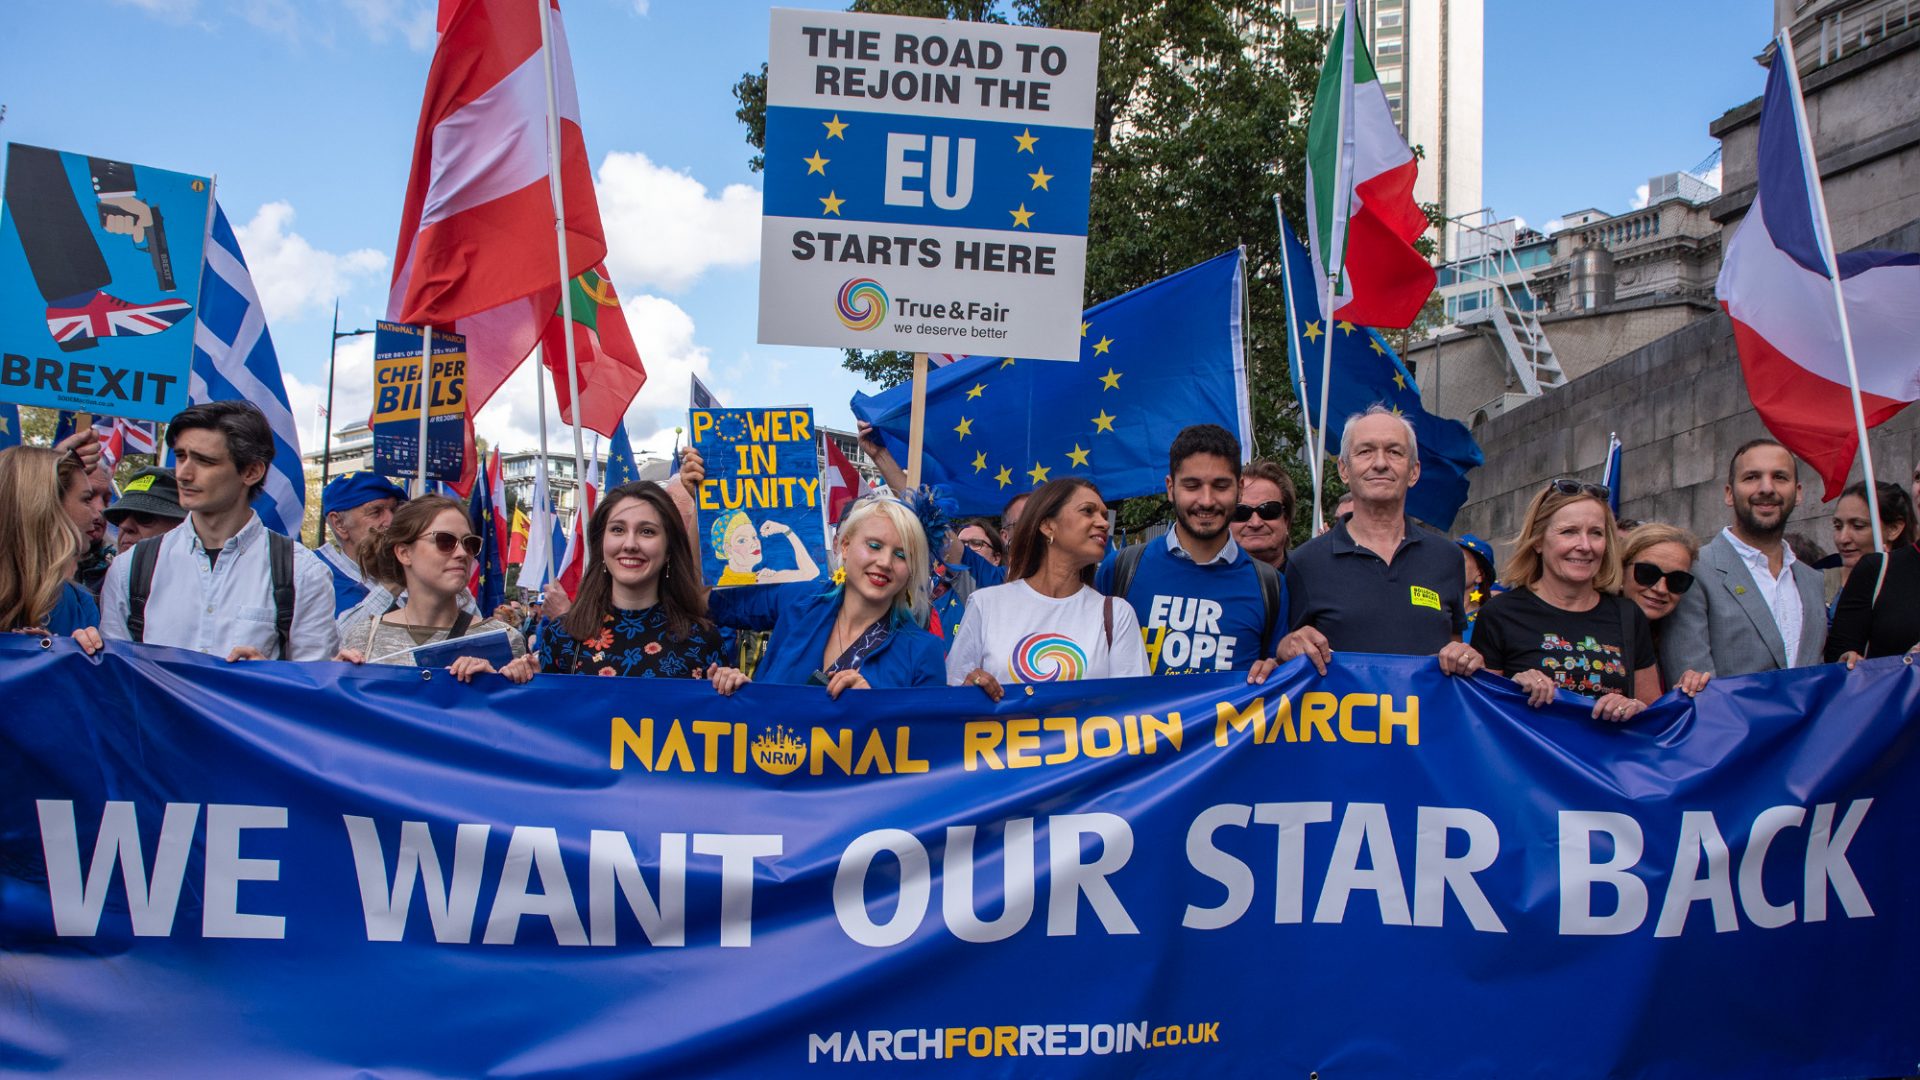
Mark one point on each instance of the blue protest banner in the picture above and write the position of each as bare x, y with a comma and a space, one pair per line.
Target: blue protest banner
99, 282
927, 184
396, 402
760, 520
275, 869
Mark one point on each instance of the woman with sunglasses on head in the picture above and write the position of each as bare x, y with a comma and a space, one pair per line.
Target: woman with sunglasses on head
862, 634
1657, 561
1876, 614
428, 550
642, 610
1561, 624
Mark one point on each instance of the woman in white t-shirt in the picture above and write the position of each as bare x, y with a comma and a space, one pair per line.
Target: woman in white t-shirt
1048, 623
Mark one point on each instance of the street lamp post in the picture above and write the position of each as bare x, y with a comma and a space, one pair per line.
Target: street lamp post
326, 439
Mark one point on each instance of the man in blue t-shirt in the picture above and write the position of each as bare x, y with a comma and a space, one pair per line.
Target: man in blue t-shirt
1203, 603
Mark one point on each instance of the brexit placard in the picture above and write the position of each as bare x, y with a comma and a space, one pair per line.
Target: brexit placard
396, 402
99, 283
760, 520
926, 185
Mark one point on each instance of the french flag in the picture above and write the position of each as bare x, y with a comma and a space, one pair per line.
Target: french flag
1776, 286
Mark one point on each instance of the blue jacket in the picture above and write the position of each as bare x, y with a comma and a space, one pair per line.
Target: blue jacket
73, 611
801, 617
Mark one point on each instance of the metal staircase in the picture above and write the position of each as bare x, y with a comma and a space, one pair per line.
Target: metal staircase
1491, 263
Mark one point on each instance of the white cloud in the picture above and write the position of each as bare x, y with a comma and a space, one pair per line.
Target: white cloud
413, 20
642, 7
664, 229
1640, 195
174, 10
1553, 226
352, 392
1712, 176
291, 274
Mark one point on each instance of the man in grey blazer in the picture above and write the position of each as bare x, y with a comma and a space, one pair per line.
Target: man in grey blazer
1756, 607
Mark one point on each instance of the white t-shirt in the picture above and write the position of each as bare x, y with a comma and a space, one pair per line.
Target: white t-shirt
1019, 636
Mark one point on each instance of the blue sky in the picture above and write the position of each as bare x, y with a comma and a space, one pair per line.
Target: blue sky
304, 111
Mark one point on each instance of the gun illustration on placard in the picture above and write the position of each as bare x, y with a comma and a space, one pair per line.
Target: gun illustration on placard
156, 245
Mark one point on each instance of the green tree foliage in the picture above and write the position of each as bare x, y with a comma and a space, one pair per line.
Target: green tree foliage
1200, 121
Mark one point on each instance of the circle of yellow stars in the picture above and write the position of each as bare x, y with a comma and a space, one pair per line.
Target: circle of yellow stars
832, 203
1077, 459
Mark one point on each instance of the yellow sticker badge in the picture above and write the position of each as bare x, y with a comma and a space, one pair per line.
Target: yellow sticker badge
1425, 597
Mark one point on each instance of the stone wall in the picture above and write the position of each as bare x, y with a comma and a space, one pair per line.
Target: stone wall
1680, 406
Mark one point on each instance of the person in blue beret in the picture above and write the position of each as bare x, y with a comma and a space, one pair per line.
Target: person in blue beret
863, 634
354, 505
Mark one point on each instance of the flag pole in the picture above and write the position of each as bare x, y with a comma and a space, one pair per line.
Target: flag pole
1297, 362
326, 428
1824, 233
426, 362
566, 276
1336, 250
540, 392
917, 429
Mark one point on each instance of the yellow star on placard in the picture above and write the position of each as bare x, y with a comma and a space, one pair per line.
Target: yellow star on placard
1004, 476
1077, 456
1022, 217
816, 164
832, 205
1103, 422
1083, 328
1347, 327
1375, 346
834, 127
1100, 347
1007, 363
1313, 331
980, 461
1399, 380
964, 427
1040, 176
1111, 379
978, 389
1037, 474
1026, 139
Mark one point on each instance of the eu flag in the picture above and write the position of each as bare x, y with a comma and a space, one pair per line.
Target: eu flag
1152, 361
490, 570
1366, 372
9, 425
621, 466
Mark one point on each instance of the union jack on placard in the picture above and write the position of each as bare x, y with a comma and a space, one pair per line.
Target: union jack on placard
106, 316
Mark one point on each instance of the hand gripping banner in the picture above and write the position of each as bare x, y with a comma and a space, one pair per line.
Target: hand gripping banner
316, 870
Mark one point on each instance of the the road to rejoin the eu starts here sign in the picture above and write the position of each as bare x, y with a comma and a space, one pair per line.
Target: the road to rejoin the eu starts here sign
926, 185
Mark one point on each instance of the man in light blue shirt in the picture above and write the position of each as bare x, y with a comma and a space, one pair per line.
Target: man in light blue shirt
221, 583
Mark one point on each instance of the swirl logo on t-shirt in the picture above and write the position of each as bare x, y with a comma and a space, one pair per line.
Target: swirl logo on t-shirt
1048, 657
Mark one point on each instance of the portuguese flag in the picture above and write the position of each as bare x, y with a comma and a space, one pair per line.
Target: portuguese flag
610, 369
1361, 217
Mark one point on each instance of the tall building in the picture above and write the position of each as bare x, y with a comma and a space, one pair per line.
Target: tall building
1428, 55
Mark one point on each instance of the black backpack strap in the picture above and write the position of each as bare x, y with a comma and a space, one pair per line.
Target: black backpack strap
146, 556
1124, 566
280, 559
460, 624
1269, 593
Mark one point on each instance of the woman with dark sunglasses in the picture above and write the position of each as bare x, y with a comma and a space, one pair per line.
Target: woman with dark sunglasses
428, 550
1562, 624
1659, 570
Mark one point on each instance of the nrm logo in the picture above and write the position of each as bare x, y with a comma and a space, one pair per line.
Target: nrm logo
862, 304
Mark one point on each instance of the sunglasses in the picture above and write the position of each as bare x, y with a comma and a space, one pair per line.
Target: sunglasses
1569, 486
1271, 510
979, 544
445, 542
1647, 575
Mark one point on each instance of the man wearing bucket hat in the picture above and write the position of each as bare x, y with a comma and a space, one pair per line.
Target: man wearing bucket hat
1478, 556
354, 505
149, 506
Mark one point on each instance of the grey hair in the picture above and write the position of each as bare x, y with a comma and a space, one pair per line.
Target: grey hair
1377, 409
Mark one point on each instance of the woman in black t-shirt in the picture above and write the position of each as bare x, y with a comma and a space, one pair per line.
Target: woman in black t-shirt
1562, 624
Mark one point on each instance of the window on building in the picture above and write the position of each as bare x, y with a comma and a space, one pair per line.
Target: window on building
1389, 19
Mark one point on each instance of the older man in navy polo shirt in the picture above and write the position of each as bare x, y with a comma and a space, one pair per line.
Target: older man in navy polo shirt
1378, 581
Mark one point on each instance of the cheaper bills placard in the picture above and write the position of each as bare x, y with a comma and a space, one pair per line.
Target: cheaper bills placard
926, 185
396, 402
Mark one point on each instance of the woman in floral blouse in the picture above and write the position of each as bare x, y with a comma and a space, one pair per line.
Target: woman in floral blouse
641, 609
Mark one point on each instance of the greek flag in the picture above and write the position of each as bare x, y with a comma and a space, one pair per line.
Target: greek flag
233, 357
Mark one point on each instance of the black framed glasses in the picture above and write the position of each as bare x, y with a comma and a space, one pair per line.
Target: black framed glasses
1567, 485
1271, 510
1646, 575
445, 542
980, 544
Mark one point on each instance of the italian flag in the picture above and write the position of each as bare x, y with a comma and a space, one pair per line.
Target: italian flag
610, 369
1361, 217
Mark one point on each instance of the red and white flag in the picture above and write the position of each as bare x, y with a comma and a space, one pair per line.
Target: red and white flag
1777, 288
844, 483
476, 252
573, 565
1361, 216
497, 494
